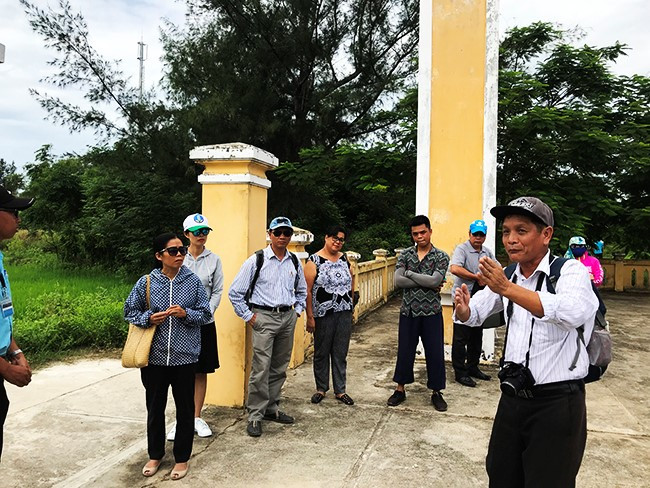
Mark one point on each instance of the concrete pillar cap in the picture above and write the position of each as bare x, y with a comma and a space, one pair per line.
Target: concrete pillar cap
233, 151
353, 256
381, 253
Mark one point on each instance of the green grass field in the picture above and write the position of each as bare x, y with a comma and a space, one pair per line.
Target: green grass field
61, 312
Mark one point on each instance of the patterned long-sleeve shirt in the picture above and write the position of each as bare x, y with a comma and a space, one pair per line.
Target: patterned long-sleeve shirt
420, 301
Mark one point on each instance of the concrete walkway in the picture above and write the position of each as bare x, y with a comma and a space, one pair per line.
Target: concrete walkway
83, 425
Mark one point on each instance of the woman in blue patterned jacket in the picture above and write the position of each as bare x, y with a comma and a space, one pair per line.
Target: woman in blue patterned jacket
178, 307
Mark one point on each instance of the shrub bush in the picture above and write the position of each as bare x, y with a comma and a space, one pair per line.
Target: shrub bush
57, 321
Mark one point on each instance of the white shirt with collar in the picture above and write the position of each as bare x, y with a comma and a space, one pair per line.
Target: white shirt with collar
555, 336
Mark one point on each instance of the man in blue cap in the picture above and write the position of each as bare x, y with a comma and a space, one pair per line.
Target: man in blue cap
269, 294
467, 342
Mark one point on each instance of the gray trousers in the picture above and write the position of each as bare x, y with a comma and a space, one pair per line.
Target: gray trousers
272, 345
331, 342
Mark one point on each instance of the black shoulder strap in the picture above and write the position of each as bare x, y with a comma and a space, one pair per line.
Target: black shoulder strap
554, 272
551, 280
510, 270
259, 261
294, 258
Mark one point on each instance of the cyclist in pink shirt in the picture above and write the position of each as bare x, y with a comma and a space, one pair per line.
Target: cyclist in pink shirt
578, 250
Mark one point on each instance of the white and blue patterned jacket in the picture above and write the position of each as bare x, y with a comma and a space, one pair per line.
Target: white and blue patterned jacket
176, 341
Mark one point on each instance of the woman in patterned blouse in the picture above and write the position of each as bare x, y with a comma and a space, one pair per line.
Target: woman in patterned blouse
329, 313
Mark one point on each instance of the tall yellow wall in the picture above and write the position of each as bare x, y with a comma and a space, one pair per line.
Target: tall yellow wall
237, 213
457, 114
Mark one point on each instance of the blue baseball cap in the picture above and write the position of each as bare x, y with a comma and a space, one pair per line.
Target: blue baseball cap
478, 226
280, 222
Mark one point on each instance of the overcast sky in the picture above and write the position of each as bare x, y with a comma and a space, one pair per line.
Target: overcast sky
116, 26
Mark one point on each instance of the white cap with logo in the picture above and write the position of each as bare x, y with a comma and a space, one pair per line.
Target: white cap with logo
194, 222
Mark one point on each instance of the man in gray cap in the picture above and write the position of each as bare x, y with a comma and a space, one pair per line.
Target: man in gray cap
540, 428
14, 368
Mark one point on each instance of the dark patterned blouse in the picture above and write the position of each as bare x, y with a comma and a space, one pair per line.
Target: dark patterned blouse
420, 301
331, 292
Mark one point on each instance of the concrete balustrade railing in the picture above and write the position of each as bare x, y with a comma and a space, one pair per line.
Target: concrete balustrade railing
626, 275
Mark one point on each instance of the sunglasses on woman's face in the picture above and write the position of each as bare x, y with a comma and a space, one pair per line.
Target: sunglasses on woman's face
201, 232
283, 232
173, 251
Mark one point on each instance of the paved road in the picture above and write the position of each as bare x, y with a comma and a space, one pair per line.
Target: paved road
82, 425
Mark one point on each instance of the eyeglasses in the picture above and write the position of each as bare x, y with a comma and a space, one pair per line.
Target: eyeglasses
478, 234
282, 232
173, 251
12, 211
201, 232
338, 239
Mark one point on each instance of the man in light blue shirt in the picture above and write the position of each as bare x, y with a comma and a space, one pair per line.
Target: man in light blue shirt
467, 342
269, 298
14, 368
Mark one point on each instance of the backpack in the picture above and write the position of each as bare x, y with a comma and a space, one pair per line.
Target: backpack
599, 347
259, 261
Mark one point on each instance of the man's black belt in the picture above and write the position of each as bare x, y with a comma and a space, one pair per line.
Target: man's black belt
559, 388
280, 308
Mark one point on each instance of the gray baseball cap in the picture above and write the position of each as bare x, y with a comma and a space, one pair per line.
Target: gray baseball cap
529, 206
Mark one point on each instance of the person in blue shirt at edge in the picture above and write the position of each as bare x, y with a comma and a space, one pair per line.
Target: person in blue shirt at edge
467, 342
178, 307
277, 300
14, 367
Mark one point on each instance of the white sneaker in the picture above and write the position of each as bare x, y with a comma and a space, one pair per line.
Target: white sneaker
172, 433
201, 427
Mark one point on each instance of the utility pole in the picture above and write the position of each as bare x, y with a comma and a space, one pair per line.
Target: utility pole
142, 55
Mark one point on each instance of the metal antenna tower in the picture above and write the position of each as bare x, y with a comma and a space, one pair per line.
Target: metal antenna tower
143, 51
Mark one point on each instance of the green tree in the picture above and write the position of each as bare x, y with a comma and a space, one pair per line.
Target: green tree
290, 74
10, 178
110, 202
575, 134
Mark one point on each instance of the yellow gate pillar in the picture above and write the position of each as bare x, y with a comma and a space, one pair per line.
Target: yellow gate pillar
234, 188
457, 124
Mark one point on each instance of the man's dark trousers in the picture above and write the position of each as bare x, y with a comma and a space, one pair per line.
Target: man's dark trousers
467, 344
538, 442
430, 329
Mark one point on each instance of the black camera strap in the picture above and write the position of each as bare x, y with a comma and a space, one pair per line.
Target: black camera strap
538, 287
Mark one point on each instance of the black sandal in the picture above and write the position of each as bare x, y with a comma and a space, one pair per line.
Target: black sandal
345, 398
317, 397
